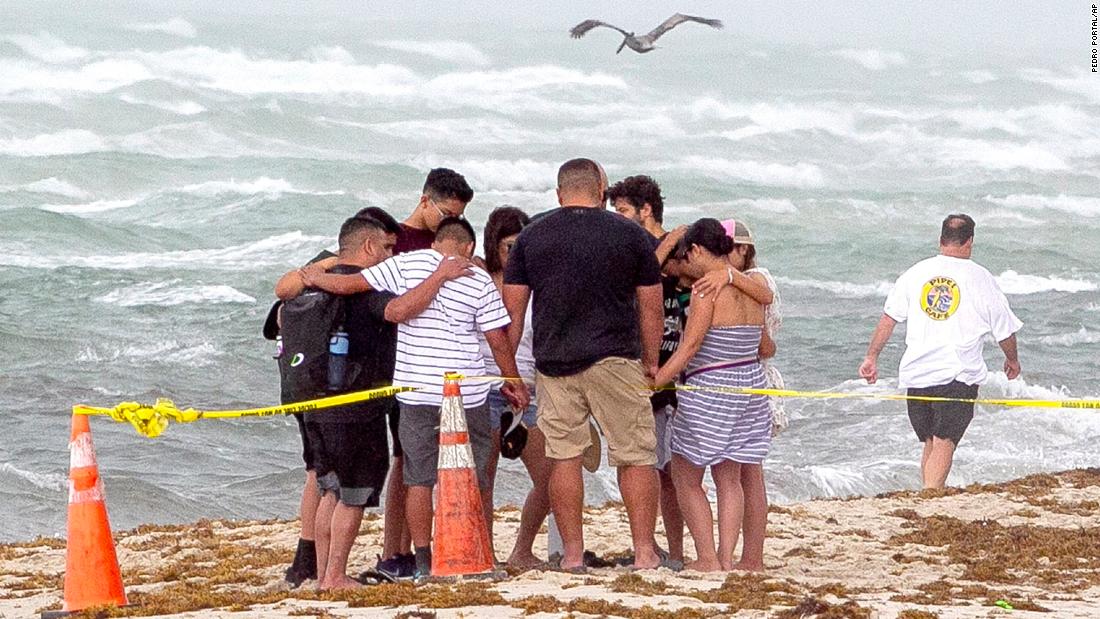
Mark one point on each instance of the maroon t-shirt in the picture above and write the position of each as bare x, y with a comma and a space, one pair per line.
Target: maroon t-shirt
413, 239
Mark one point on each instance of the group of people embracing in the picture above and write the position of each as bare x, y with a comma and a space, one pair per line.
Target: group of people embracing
600, 322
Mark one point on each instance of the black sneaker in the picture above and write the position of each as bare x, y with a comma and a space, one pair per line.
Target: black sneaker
391, 568
408, 565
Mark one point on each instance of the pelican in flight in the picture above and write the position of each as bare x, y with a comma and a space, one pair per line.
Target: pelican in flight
644, 43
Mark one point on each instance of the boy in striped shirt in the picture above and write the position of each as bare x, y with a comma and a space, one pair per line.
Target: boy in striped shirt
443, 338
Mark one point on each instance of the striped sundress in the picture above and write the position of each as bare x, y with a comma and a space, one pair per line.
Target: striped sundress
710, 427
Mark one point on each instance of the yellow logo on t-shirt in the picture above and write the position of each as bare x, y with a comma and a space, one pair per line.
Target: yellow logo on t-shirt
939, 298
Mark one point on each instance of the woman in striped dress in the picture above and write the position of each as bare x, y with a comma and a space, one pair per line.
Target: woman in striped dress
742, 262
715, 427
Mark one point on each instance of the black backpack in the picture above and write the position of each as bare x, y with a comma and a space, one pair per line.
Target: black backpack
306, 323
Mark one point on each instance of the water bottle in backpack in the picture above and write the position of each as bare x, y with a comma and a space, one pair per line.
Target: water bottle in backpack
337, 361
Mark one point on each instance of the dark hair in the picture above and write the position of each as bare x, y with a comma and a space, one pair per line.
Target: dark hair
455, 229
388, 222
580, 175
354, 228
957, 229
446, 184
640, 190
503, 222
709, 234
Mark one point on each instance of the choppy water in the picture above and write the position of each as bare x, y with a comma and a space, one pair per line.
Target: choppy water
156, 178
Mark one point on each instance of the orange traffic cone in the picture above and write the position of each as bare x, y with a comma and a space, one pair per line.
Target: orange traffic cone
92, 576
460, 533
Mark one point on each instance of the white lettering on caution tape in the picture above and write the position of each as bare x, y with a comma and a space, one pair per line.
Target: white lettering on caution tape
91, 495
81, 452
456, 457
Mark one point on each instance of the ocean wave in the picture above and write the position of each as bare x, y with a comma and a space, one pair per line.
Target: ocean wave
42, 82
47, 47
171, 293
998, 387
796, 175
458, 52
192, 140
164, 352
458, 131
55, 482
730, 208
51, 185
1001, 155
1078, 81
496, 174
1011, 219
775, 118
66, 142
99, 206
274, 250
322, 71
177, 27
843, 289
1078, 205
1081, 336
262, 185
183, 108
978, 76
1015, 283
871, 59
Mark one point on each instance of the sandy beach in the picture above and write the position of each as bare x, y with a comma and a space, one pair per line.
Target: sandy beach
1031, 544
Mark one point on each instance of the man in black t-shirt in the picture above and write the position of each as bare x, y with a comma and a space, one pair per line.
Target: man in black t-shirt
597, 330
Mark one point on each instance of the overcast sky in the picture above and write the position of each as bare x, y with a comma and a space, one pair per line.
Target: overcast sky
1050, 28
956, 25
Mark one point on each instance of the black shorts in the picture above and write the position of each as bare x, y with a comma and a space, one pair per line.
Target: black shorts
307, 449
947, 420
352, 459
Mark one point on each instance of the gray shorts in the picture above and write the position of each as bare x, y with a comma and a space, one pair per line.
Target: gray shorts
661, 419
419, 431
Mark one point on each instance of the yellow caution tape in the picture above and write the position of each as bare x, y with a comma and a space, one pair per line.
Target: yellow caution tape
151, 421
787, 393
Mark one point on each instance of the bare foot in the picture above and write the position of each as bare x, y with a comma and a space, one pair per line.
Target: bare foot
648, 561
523, 561
344, 582
747, 566
703, 566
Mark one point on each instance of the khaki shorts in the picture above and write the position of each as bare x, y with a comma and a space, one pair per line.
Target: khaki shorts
614, 392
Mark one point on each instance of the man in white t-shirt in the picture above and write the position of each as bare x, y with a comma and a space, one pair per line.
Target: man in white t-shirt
950, 304
443, 338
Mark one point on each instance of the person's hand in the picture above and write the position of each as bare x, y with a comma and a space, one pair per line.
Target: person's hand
651, 375
1012, 369
869, 370
711, 283
479, 262
517, 394
327, 263
677, 233
453, 267
309, 272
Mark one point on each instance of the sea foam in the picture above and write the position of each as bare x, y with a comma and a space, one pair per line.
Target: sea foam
172, 293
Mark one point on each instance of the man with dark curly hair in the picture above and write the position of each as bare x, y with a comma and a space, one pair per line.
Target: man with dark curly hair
638, 198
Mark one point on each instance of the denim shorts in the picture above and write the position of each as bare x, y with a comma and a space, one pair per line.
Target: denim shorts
498, 404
